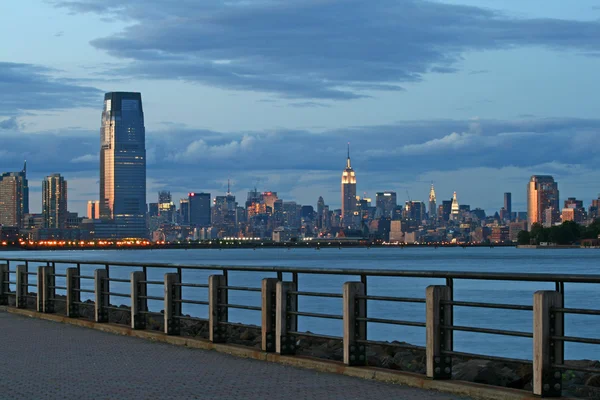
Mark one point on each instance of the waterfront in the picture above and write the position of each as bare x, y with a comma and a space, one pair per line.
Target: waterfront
568, 261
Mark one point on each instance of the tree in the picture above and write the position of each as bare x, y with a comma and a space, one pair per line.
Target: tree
523, 237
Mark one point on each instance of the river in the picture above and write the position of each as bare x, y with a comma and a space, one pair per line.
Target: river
481, 259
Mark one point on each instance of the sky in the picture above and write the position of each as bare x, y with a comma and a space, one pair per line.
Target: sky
473, 95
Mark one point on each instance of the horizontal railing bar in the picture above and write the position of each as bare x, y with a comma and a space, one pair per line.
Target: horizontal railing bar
253, 308
487, 330
31, 296
489, 305
83, 290
485, 357
576, 311
317, 294
202, 303
150, 313
401, 345
500, 276
83, 303
153, 282
83, 277
574, 339
196, 285
117, 294
117, 280
575, 368
315, 335
392, 322
10, 282
57, 287
30, 273
315, 315
57, 299
58, 275
115, 308
241, 288
238, 325
152, 298
391, 298
190, 318
30, 284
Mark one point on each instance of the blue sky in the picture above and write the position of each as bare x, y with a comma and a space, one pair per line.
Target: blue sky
475, 95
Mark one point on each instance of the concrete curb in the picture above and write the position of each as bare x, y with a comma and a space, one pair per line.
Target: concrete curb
474, 390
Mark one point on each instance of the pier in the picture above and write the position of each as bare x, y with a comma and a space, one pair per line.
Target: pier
278, 337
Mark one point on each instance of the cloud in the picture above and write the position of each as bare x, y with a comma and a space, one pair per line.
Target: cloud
10, 124
28, 87
86, 158
316, 49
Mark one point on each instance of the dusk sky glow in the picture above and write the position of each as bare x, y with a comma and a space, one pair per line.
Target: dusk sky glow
267, 93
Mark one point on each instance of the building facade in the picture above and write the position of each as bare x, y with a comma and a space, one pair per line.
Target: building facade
542, 195
199, 210
123, 165
432, 204
54, 202
385, 202
14, 198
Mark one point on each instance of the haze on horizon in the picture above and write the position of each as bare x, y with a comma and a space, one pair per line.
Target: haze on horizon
474, 97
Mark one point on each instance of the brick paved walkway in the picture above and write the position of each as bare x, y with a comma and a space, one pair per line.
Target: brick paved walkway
46, 360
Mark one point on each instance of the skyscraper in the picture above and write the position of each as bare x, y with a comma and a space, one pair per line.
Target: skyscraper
432, 204
199, 206
455, 210
123, 164
93, 209
348, 193
14, 198
385, 202
508, 203
542, 194
54, 202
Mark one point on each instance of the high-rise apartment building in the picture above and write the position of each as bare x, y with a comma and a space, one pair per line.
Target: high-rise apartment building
348, 193
542, 194
123, 164
14, 198
54, 202
385, 202
199, 206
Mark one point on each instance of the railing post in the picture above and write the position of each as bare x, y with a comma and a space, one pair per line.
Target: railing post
102, 296
4, 285
22, 280
139, 303
547, 381
354, 330
49, 292
438, 339
285, 343
172, 304
269, 310
217, 313
40, 290
73, 293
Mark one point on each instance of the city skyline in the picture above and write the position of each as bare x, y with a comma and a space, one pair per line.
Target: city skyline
463, 103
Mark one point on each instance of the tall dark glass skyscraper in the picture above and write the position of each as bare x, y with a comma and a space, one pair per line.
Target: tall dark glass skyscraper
123, 164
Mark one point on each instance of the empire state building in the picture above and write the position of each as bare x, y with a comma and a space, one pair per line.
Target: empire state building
348, 193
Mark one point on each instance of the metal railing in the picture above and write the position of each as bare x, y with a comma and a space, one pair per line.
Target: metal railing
280, 311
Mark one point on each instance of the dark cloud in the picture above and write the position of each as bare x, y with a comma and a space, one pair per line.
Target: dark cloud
327, 49
10, 124
27, 87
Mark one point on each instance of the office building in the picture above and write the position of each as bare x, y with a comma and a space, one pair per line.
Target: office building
542, 194
508, 203
184, 211
348, 194
93, 209
385, 202
199, 206
455, 208
54, 202
123, 165
14, 198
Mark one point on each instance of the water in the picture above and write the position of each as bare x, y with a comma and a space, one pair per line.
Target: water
501, 259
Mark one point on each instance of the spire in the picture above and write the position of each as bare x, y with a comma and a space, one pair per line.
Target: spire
25, 168
228, 187
348, 161
432, 193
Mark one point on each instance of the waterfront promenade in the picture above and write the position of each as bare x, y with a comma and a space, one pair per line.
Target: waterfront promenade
47, 360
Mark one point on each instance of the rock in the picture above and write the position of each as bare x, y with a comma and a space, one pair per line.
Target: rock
593, 380
487, 372
246, 335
